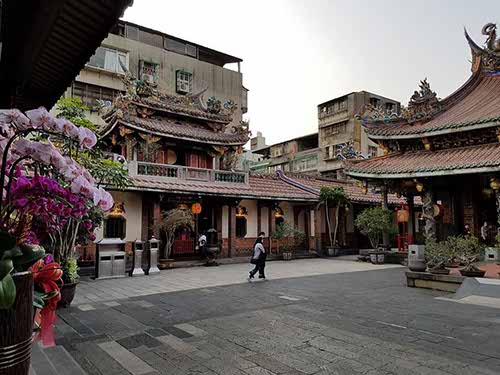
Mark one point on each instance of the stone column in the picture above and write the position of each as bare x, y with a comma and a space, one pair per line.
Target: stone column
317, 228
259, 217
271, 225
231, 221
497, 196
428, 213
385, 204
411, 215
156, 217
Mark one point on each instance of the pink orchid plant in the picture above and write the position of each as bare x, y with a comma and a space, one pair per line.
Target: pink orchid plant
46, 197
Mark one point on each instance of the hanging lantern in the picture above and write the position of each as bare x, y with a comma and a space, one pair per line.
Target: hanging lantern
494, 184
196, 208
419, 186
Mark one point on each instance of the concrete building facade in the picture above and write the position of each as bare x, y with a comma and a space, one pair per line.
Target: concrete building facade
170, 64
337, 126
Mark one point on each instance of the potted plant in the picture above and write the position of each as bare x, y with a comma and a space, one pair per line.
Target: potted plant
469, 249
437, 255
70, 279
173, 220
374, 222
337, 198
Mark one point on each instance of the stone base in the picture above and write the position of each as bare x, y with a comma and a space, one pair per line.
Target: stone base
446, 283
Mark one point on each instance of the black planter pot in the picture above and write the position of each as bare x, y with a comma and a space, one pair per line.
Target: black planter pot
16, 328
67, 294
466, 273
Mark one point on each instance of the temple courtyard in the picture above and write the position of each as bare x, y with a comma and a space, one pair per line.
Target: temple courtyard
315, 316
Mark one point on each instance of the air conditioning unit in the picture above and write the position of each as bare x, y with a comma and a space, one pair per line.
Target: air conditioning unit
182, 87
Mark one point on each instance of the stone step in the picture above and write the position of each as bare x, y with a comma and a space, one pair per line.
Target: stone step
62, 361
40, 364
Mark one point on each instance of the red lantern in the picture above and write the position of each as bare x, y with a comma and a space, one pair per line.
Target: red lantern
196, 208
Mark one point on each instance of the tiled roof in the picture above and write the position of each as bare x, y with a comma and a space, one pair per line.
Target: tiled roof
464, 160
353, 191
476, 104
259, 187
180, 105
186, 132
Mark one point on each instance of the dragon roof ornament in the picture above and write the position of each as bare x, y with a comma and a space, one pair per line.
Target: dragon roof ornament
369, 113
423, 104
486, 59
347, 151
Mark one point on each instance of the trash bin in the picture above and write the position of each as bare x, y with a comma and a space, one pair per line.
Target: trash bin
110, 258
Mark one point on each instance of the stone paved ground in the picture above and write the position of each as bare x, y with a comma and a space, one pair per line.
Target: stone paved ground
339, 323
201, 277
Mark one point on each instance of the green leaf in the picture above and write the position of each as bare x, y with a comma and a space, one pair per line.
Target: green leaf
7, 242
12, 253
31, 254
7, 292
6, 267
38, 300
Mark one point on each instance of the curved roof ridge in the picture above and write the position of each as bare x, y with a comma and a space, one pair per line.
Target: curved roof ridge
297, 184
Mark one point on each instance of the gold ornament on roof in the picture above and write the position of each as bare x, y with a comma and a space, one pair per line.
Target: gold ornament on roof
124, 131
149, 138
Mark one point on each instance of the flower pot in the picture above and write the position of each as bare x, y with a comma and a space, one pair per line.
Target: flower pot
472, 273
439, 271
332, 251
164, 263
67, 294
377, 257
16, 328
417, 265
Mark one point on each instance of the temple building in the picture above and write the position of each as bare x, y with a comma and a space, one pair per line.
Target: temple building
445, 150
181, 151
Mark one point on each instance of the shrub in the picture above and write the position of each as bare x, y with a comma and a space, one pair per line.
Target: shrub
374, 222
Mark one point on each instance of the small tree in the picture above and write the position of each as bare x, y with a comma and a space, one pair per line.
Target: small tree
374, 222
173, 220
286, 230
337, 198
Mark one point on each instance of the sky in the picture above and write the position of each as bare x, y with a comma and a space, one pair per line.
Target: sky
300, 53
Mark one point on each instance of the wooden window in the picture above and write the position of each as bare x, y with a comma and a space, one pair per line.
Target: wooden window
91, 93
114, 227
241, 227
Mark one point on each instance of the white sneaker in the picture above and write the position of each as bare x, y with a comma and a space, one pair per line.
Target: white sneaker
249, 279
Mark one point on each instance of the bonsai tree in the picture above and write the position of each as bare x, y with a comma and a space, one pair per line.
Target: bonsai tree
374, 222
337, 198
171, 221
438, 254
286, 230
468, 250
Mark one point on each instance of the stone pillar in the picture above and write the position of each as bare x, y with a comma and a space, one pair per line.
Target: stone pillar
428, 213
271, 226
154, 246
156, 218
231, 221
385, 204
316, 213
497, 196
411, 215
259, 217
137, 260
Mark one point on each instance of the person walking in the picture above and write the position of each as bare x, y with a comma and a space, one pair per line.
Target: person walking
258, 258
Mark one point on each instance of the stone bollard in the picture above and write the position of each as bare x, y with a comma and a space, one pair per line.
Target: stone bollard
154, 246
416, 258
137, 259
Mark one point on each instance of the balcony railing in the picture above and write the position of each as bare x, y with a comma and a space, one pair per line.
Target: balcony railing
180, 173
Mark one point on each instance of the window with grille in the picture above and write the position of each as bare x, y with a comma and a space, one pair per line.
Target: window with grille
241, 227
114, 227
109, 59
372, 151
389, 107
91, 93
149, 71
334, 129
184, 82
375, 102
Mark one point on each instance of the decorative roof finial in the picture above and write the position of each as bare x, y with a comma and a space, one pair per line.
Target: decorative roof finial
492, 43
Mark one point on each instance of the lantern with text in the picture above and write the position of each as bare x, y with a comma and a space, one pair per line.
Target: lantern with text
403, 216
